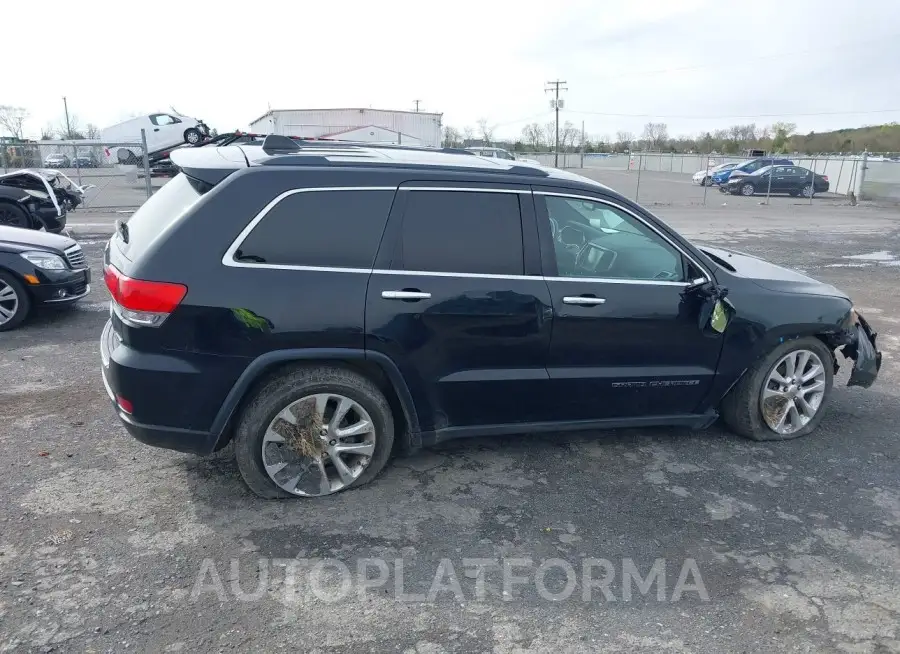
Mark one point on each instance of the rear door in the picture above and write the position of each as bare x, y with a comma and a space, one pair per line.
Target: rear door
457, 301
626, 341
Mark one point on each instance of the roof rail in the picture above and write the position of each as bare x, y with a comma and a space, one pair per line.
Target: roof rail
275, 143
303, 159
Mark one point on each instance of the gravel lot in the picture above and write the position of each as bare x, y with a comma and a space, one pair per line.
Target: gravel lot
107, 545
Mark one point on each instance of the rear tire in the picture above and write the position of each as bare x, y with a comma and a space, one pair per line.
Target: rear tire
20, 305
807, 191
294, 384
741, 409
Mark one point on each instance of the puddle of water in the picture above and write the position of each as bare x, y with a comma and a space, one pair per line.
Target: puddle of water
881, 256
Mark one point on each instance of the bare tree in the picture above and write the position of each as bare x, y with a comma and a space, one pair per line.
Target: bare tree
656, 134
550, 134
71, 129
12, 119
568, 135
485, 131
468, 134
452, 137
91, 131
533, 135
763, 133
48, 132
624, 140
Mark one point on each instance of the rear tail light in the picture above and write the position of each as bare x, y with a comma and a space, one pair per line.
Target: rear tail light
142, 303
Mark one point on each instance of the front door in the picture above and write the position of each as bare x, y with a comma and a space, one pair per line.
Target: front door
460, 309
626, 341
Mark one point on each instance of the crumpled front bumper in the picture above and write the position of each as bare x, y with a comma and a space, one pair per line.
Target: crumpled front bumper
863, 351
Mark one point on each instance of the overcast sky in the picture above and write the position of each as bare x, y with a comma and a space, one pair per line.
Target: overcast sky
693, 64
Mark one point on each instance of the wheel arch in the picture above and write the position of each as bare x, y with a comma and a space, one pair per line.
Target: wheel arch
5, 200
376, 366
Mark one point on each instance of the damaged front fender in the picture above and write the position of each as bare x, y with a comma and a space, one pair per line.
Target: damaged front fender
862, 349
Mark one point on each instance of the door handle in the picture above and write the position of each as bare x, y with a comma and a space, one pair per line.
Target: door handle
156, 129
584, 300
405, 295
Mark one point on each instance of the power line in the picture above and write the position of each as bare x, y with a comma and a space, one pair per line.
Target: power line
555, 86
786, 115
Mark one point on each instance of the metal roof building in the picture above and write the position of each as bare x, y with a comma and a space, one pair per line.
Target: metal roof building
372, 125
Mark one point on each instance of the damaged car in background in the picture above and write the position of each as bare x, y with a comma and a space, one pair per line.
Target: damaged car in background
38, 198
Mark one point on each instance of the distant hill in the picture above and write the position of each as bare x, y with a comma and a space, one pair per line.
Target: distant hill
875, 138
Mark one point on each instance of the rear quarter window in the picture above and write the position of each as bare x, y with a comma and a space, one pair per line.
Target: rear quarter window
157, 214
319, 228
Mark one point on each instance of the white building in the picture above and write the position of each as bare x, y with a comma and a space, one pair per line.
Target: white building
372, 125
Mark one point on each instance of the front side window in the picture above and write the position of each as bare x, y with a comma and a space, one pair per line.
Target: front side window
474, 232
161, 119
598, 240
320, 228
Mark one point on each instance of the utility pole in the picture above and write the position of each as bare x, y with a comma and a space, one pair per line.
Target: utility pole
417, 105
556, 104
68, 127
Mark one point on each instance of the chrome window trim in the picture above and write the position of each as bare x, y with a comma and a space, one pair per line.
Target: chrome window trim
228, 257
471, 189
706, 274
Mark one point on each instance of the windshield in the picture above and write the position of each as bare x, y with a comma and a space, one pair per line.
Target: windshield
724, 166
761, 171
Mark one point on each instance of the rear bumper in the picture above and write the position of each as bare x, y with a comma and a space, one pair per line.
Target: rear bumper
173, 398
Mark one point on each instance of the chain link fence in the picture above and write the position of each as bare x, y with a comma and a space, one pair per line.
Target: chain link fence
114, 176
670, 178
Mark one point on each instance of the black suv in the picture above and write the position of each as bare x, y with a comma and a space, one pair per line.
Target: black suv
322, 304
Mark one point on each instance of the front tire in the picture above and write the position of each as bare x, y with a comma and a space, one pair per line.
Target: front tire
747, 190
15, 304
192, 136
785, 395
313, 431
13, 216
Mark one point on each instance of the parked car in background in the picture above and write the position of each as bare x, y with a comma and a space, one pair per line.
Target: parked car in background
38, 269
56, 160
499, 153
461, 279
792, 180
85, 159
704, 177
748, 167
163, 131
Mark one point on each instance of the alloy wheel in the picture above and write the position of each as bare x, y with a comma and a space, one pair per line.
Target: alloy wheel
747, 189
793, 392
807, 191
318, 445
9, 302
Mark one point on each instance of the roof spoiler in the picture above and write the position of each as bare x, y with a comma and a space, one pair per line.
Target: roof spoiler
209, 165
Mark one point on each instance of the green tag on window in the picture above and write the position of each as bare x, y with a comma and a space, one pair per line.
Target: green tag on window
719, 318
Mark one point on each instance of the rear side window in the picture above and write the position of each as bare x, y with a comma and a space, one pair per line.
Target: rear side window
322, 228
462, 232
157, 214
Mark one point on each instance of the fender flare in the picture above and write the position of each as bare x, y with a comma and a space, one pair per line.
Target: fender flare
264, 362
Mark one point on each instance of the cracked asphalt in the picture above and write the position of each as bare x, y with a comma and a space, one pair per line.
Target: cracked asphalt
107, 545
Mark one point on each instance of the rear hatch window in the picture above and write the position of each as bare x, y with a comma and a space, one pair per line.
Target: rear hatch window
157, 214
